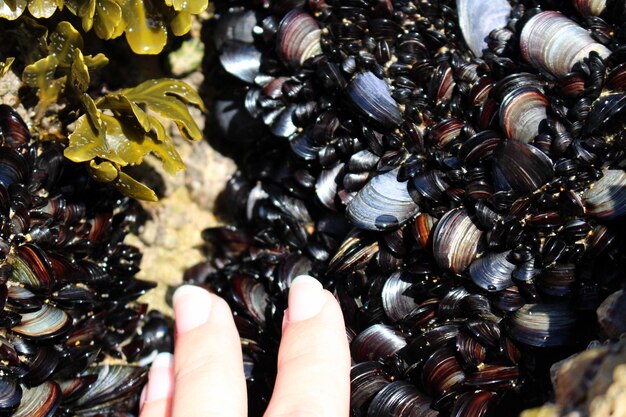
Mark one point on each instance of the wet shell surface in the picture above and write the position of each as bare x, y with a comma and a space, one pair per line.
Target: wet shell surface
383, 203
460, 166
554, 43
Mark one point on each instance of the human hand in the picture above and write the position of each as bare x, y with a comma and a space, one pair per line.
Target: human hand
205, 375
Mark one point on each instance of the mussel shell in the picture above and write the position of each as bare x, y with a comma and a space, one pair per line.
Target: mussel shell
40, 401
544, 325
590, 7
478, 18
607, 115
396, 302
442, 372
13, 167
241, 60
472, 404
400, 399
46, 323
372, 97
114, 383
521, 113
355, 251
493, 271
13, 131
298, 38
384, 203
554, 43
472, 352
376, 342
366, 380
456, 241
606, 198
10, 394
522, 166
31, 267
494, 377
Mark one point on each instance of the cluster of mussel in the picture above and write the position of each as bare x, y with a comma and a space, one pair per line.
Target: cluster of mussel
453, 171
69, 317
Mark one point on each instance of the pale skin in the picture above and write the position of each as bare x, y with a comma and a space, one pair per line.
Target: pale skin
205, 375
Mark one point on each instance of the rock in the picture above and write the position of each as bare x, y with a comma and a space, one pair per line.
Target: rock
612, 315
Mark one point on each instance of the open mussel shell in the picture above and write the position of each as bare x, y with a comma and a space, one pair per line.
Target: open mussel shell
241, 60
396, 303
372, 97
400, 399
298, 38
477, 18
376, 342
521, 166
544, 325
40, 401
521, 113
366, 380
384, 203
554, 43
456, 241
606, 198
493, 271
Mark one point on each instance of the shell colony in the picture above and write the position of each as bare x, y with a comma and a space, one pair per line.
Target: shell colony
453, 171
69, 315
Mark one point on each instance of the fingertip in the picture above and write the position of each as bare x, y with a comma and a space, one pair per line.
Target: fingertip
192, 307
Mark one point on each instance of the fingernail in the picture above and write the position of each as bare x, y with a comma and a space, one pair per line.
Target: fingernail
285, 318
142, 397
306, 298
161, 378
192, 306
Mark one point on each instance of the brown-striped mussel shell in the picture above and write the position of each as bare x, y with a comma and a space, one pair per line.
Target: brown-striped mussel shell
453, 171
67, 287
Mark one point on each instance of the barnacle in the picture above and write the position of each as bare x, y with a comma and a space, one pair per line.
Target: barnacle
144, 22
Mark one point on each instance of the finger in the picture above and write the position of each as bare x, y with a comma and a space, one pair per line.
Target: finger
313, 359
157, 394
208, 364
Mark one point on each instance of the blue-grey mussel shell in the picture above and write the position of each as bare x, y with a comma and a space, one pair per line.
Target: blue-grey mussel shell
384, 203
456, 241
372, 97
544, 325
493, 271
606, 198
554, 43
477, 18
241, 60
